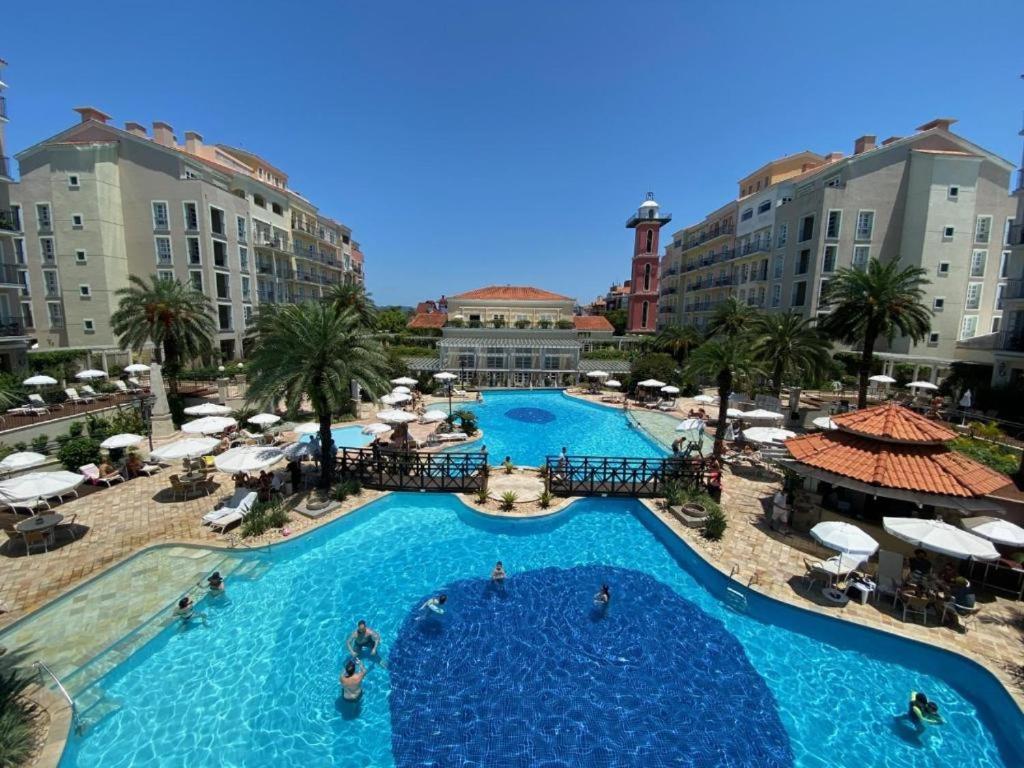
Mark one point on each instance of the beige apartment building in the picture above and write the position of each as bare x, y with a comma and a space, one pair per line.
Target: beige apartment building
933, 199
1008, 345
97, 203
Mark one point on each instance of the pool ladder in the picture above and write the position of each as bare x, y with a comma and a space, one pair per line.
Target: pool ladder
76, 723
735, 599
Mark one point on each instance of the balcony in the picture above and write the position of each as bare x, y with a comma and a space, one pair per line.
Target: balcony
3, 107
263, 239
710, 234
1014, 290
1011, 340
10, 219
5, 168
11, 326
755, 247
1015, 235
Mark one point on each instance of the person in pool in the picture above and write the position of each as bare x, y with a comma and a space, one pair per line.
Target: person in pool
215, 582
604, 596
351, 680
186, 611
498, 574
923, 712
435, 604
363, 637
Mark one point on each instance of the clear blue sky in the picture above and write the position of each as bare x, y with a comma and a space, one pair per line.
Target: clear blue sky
469, 142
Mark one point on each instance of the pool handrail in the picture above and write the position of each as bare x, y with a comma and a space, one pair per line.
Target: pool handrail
41, 668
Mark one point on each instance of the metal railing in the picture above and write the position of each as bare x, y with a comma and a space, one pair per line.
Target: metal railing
606, 476
10, 219
41, 668
1014, 289
413, 470
710, 234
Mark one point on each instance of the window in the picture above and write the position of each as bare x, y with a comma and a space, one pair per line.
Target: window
224, 317
85, 291
191, 212
276, 208
650, 241
953, 193
43, 216
194, 255
165, 274
246, 288
933, 339
81, 257
19, 250
778, 265
51, 284
220, 254
861, 256
73, 181
938, 303
828, 261
77, 222
222, 283
806, 228
999, 296
969, 327
247, 313
55, 313
833, 181
643, 314
16, 217
88, 326
776, 294
780, 239
973, 300
804, 262
743, 274
241, 225
833, 224
192, 174
217, 221
978, 259
764, 207
647, 275
799, 294
23, 282
983, 229
160, 218
747, 214
865, 224
1004, 263
947, 233
258, 200
196, 278
943, 268
27, 319
243, 258
163, 251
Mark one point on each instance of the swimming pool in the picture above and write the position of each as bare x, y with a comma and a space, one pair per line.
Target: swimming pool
531, 674
346, 437
529, 425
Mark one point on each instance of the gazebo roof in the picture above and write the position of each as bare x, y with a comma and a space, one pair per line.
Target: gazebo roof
893, 423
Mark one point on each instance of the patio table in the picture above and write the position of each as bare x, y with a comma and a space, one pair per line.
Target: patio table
41, 524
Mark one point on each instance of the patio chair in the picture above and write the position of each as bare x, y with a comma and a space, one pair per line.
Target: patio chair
889, 575
92, 474
122, 388
134, 385
965, 615
32, 506
7, 522
229, 515
34, 539
179, 488
36, 401
93, 393
914, 605
75, 398
815, 572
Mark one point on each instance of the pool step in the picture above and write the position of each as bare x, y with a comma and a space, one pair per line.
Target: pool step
735, 600
93, 707
250, 570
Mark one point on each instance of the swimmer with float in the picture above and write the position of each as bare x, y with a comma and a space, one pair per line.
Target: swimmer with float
923, 712
435, 604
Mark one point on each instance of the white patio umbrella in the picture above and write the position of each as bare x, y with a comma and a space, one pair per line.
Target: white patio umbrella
598, 375
445, 376
824, 422
670, 390
377, 428
967, 400
940, 537
613, 383
186, 448
704, 399
39, 380
297, 451
405, 381
264, 419
921, 385
689, 425
400, 390
248, 458
91, 373
760, 414
396, 417
40, 485
845, 538
208, 409
433, 415
651, 384
992, 528
881, 378
767, 434
123, 440
208, 425
21, 460
395, 398
136, 368
733, 413
307, 428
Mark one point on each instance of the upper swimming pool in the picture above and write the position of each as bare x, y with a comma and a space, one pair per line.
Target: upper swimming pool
531, 673
346, 437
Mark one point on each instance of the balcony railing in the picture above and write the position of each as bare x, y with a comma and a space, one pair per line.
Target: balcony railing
5, 167
1012, 340
10, 219
1015, 235
710, 234
267, 240
1014, 290
754, 247
11, 326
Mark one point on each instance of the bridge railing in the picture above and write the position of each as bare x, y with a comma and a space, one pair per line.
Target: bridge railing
414, 470
603, 475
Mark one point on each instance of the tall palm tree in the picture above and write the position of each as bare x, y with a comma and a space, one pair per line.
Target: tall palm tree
354, 296
788, 344
678, 340
727, 361
310, 351
174, 316
872, 303
731, 318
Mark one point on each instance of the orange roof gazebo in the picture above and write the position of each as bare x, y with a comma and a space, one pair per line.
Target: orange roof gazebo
891, 451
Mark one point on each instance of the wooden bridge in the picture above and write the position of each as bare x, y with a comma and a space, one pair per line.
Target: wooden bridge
606, 476
414, 470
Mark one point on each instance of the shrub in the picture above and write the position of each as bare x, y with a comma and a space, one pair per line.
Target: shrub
127, 420
482, 495
264, 516
545, 324
5, 450
545, 499
522, 324
997, 457
508, 466
714, 524
565, 325
456, 322
674, 494
498, 322
40, 444
606, 353
99, 428
467, 420
508, 500
21, 445
339, 492
76, 429
354, 487
17, 734
78, 451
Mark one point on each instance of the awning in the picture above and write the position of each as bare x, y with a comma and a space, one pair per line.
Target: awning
510, 342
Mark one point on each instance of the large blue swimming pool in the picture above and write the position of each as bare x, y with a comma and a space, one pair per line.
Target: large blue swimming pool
528, 425
531, 673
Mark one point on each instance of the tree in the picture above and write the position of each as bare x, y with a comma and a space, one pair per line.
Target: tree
354, 296
310, 351
726, 361
731, 318
678, 341
788, 344
391, 320
657, 365
872, 303
618, 318
174, 316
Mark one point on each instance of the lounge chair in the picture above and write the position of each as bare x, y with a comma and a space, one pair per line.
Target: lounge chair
667, 405
36, 401
149, 469
92, 474
228, 515
815, 572
28, 410
122, 388
32, 506
134, 385
74, 397
93, 393
889, 577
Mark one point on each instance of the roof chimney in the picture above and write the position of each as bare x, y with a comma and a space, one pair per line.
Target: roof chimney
890, 140
193, 142
136, 129
831, 157
91, 113
163, 134
864, 144
942, 123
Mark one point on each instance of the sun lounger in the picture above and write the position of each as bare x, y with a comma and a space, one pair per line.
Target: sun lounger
228, 515
121, 387
93, 393
149, 469
92, 474
74, 397
451, 437
28, 410
36, 401
32, 505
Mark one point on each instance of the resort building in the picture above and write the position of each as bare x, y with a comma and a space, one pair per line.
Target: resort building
932, 199
513, 336
97, 203
643, 288
13, 341
1008, 344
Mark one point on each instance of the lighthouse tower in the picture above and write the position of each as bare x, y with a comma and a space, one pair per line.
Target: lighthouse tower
643, 287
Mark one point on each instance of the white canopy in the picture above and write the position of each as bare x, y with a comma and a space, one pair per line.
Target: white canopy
21, 460
186, 448
264, 419
248, 458
445, 376
705, 399
767, 434
940, 537
652, 383
670, 390
136, 368
39, 380
992, 528
297, 451
881, 378
405, 381
307, 428
376, 428
760, 414
921, 385
396, 417
208, 409
613, 383
733, 413
395, 398
433, 415
400, 390
92, 373
845, 538
598, 374
967, 400
689, 425
123, 440
824, 422
40, 485
208, 425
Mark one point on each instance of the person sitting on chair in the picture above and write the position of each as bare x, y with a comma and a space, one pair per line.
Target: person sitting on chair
920, 565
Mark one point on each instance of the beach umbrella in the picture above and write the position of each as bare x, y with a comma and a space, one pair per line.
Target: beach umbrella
395, 398
845, 538
767, 434
123, 440
39, 380
136, 368
396, 417
967, 400
881, 378
733, 413
445, 376
651, 384
689, 425
992, 528
208, 425
264, 419
921, 385
704, 399
824, 422
433, 416
670, 390
308, 428
940, 537
297, 451
186, 448
405, 381
760, 414
400, 390
21, 460
208, 409
613, 383
248, 458
40, 485
598, 374
379, 429
92, 373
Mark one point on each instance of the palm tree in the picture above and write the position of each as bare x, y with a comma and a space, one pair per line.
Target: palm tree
354, 296
174, 316
875, 302
788, 344
678, 341
731, 318
310, 351
726, 361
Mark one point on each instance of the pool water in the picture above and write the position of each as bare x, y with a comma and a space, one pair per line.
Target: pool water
346, 437
531, 425
531, 674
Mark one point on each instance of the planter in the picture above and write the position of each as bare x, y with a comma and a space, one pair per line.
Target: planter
688, 515
695, 510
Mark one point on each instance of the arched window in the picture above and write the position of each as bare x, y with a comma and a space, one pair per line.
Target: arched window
650, 240
647, 278
643, 315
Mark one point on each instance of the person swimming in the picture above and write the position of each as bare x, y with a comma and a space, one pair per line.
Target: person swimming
186, 611
351, 680
215, 582
604, 596
923, 712
498, 574
435, 604
362, 637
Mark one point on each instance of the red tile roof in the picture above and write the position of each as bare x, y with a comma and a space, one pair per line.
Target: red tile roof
512, 293
893, 423
428, 320
927, 468
591, 323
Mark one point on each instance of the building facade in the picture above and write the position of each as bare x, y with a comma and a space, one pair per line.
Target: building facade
1008, 347
99, 203
646, 224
